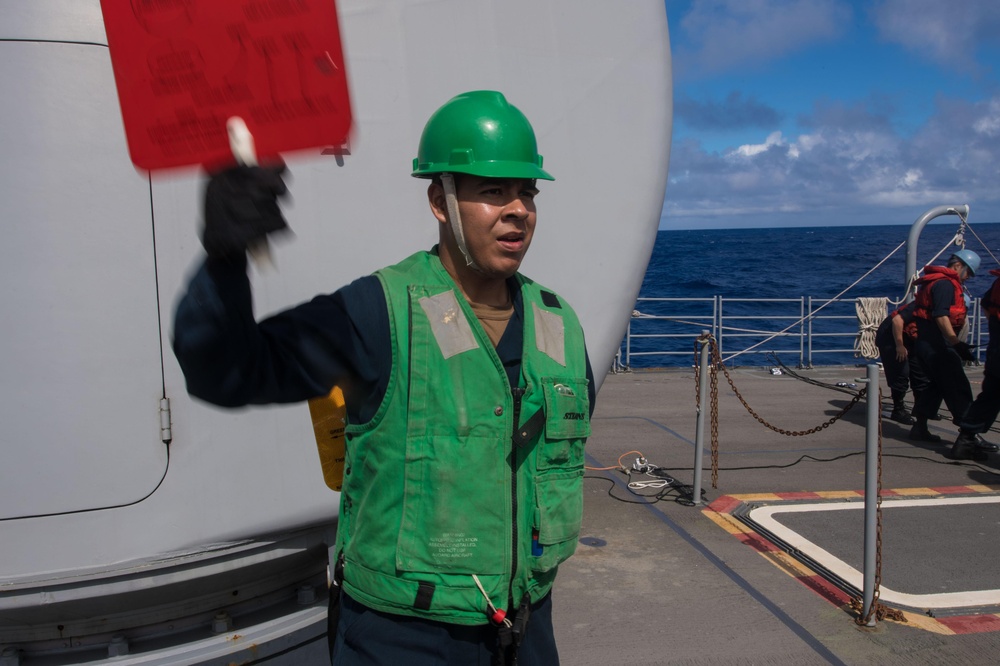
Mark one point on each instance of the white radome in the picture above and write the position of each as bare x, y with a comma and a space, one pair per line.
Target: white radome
96, 510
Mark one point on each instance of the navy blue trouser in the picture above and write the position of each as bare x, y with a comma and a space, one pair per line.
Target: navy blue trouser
372, 638
986, 407
948, 382
901, 376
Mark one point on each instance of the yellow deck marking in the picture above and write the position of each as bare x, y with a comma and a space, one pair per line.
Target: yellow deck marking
797, 569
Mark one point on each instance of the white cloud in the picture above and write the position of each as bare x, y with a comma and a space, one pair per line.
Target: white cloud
749, 150
906, 198
948, 33
732, 211
849, 171
911, 178
728, 34
805, 143
866, 158
989, 122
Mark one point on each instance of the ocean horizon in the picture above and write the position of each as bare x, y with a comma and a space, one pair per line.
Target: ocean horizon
766, 264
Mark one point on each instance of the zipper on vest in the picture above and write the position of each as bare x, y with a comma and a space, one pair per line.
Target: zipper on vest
517, 393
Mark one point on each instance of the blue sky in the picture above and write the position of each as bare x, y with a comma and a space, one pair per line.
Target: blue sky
828, 112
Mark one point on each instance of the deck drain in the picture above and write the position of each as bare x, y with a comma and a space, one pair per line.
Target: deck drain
593, 541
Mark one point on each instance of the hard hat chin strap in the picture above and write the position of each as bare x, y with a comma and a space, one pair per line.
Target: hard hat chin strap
451, 201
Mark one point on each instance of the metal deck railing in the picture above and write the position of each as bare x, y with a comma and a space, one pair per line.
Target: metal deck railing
807, 331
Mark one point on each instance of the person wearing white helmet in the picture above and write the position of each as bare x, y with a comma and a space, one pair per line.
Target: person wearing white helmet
986, 407
940, 312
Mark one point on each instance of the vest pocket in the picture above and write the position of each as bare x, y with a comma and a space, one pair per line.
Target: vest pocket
559, 511
567, 423
451, 509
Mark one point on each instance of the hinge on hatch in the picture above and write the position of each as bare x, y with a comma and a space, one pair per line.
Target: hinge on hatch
165, 434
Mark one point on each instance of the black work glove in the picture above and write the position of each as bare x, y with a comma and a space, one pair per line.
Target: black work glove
241, 209
964, 351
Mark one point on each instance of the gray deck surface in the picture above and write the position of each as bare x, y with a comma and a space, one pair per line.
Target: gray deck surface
662, 583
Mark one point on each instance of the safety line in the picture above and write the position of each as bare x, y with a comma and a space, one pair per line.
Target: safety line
796, 628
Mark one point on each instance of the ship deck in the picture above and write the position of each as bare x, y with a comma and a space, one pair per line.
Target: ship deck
763, 570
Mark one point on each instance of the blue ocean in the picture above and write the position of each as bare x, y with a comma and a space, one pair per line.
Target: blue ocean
745, 284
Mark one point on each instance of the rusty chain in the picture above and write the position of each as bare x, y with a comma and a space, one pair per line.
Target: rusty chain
880, 611
717, 361
713, 408
714, 414
715, 427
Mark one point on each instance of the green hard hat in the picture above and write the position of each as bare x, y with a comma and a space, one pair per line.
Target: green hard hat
482, 134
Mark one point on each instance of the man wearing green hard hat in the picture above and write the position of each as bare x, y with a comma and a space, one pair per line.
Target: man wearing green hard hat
468, 394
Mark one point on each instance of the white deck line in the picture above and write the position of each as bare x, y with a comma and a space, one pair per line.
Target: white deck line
764, 517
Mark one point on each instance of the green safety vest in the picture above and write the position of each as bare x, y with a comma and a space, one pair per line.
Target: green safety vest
439, 485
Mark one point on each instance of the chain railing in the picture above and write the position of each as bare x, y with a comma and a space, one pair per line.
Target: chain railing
877, 609
717, 360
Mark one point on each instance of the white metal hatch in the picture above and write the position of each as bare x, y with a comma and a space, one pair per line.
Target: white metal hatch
80, 371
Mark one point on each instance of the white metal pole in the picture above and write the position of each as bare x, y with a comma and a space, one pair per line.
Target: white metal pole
871, 492
703, 406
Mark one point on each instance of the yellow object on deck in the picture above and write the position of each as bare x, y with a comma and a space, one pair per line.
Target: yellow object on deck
329, 417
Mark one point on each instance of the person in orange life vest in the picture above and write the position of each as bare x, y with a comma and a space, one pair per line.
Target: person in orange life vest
894, 339
940, 312
986, 407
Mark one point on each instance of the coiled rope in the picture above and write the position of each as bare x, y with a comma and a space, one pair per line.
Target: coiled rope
871, 312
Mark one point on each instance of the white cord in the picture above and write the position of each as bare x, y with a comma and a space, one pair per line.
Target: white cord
642, 485
489, 604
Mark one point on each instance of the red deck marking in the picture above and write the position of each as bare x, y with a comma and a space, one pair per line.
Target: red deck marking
756, 542
971, 624
724, 504
825, 589
965, 624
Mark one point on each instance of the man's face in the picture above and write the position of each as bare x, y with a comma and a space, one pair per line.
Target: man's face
498, 220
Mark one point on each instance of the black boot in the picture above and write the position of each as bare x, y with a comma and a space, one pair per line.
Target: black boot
984, 446
900, 415
920, 433
966, 447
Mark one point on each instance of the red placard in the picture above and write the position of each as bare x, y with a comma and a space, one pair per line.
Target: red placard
183, 67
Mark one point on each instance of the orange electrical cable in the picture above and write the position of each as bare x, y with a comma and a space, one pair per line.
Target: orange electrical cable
618, 466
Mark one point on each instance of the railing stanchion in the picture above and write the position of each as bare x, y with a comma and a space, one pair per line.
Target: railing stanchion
628, 344
703, 407
809, 335
871, 492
